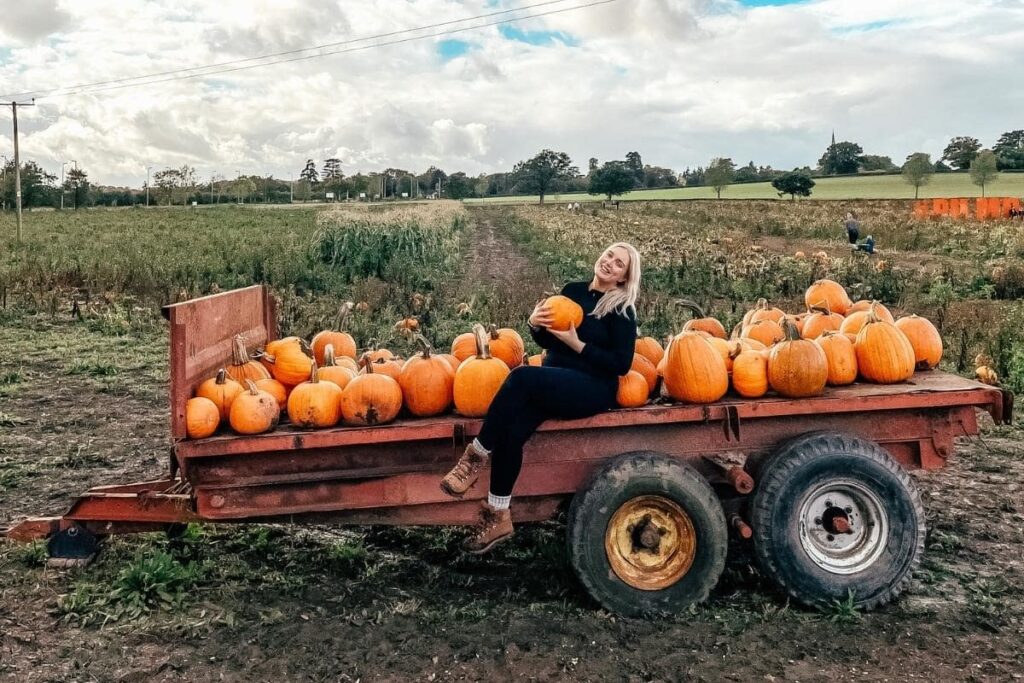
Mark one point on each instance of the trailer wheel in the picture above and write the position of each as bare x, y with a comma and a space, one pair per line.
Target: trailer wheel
836, 516
647, 535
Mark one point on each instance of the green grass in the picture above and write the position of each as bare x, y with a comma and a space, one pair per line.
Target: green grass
860, 187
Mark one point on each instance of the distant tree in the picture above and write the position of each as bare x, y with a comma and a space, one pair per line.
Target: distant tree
1009, 150
942, 168
658, 176
309, 173
960, 152
36, 186
592, 165
539, 174
918, 170
358, 184
77, 183
243, 188
166, 182
841, 157
746, 174
720, 174
460, 186
430, 178
636, 164
794, 183
694, 178
332, 169
874, 162
612, 178
984, 169
188, 179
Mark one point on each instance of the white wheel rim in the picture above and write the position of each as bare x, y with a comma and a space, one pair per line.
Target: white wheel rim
843, 527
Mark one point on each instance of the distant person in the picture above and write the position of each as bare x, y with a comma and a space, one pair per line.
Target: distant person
852, 227
867, 246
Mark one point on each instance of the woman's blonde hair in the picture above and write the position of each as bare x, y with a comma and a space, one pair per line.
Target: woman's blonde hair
622, 298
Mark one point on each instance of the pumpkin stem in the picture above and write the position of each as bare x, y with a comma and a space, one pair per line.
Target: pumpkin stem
821, 307
873, 312
762, 304
737, 331
364, 361
314, 373
252, 387
329, 355
492, 330
792, 334
239, 356
424, 344
698, 312
483, 349
222, 376
343, 312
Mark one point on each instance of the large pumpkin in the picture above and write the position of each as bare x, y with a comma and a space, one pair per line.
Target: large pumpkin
633, 390
797, 368
819, 320
702, 322
427, 382
694, 370
649, 348
840, 356
254, 411
478, 378
332, 372
925, 340
343, 343
464, 346
222, 390
506, 344
289, 364
884, 354
750, 373
371, 398
242, 368
314, 403
565, 312
828, 293
202, 416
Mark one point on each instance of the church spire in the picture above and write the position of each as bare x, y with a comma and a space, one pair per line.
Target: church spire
833, 137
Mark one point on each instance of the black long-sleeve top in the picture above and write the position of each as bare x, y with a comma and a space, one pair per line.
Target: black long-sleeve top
610, 341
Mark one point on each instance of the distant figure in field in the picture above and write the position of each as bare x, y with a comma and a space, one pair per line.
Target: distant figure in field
868, 245
852, 227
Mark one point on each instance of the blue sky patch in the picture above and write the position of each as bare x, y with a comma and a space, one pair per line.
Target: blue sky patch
769, 3
869, 26
536, 37
450, 49
5, 54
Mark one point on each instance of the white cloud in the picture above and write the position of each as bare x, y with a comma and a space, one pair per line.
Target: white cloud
681, 81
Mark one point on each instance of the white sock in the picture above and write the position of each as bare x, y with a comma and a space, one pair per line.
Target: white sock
499, 502
479, 448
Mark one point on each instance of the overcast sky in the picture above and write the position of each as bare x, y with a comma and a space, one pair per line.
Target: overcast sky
680, 81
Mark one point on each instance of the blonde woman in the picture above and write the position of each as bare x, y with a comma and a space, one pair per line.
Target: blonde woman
579, 378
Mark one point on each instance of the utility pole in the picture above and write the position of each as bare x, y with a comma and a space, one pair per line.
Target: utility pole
76, 185
147, 185
17, 160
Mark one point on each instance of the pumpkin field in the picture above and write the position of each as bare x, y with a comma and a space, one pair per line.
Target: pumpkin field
83, 402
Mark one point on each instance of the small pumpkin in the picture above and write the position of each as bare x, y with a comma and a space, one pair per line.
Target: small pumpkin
289, 363
506, 344
767, 332
646, 369
275, 389
840, 356
797, 368
924, 338
633, 390
202, 417
828, 293
701, 322
750, 373
694, 370
377, 353
865, 305
565, 312
371, 398
392, 367
427, 382
764, 311
819, 320
650, 348
343, 343
478, 378
314, 403
464, 346
254, 411
242, 368
222, 390
332, 372
884, 354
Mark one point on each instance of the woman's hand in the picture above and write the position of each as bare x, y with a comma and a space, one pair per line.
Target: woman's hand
541, 316
569, 338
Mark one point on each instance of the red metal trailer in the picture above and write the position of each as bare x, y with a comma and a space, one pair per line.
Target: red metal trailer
819, 484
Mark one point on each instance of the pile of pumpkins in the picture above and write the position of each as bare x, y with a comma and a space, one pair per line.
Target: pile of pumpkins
835, 342
322, 384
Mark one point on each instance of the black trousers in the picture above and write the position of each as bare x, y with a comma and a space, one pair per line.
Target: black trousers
529, 396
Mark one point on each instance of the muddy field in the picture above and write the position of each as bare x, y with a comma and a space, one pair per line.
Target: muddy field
82, 402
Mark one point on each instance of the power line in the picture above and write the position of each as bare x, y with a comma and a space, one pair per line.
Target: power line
215, 69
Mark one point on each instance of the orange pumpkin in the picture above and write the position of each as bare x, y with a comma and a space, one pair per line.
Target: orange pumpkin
275, 389
796, 319
750, 373
649, 348
884, 354
478, 378
332, 372
242, 368
767, 332
274, 347
289, 364
427, 382
702, 322
694, 370
452, 360
315, 403
820, 319
343, 343
536, 360
865, 305
924, 338
797, 368
254, 411
853, 323
202, 417
840, 356
371, 398
764, 311
633, 390
725, 350
507, 345
646, 369
376, 353
565, 312
464, 346
830, 294
222, 390
392, 367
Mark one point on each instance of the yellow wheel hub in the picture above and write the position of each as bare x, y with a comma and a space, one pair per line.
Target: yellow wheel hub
650, 542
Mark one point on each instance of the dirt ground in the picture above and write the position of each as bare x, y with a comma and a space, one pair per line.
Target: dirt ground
79, 407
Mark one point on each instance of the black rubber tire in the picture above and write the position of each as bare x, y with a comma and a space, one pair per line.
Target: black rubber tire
792, 474
629, 476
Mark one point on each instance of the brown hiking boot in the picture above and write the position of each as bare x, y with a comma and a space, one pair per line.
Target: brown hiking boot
465, 473
493, 528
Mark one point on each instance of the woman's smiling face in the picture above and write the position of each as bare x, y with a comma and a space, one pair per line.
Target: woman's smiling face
612, 266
